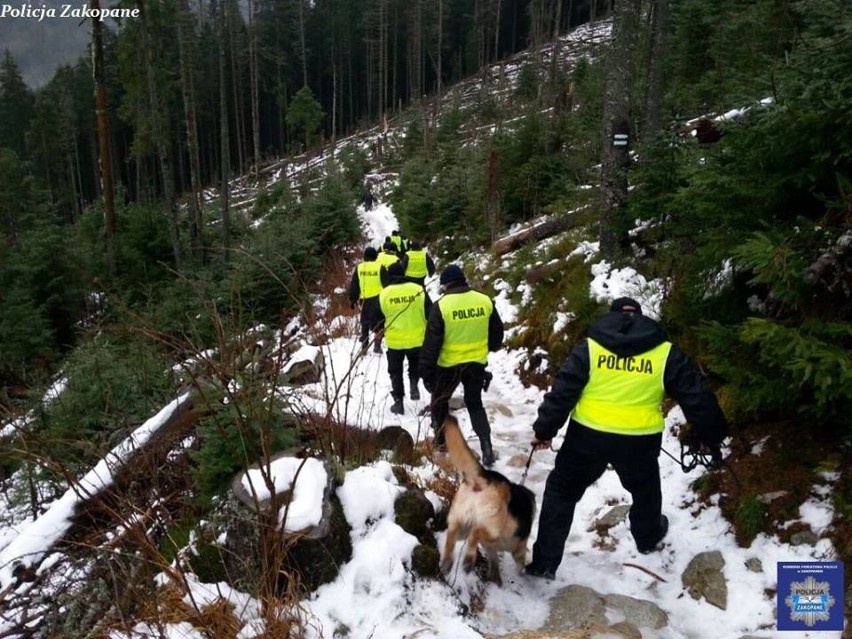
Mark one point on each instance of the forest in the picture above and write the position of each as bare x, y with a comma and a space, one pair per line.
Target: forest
141, 223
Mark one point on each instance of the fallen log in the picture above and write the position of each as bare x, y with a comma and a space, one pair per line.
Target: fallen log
538, 231
24, 554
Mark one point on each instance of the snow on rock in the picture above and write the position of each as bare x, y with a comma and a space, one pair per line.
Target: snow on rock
305, 507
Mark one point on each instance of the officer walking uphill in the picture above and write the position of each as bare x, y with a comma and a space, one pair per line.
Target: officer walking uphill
463, 327
614, 382
419, 263
365, 287
399, 241
387, 256
405, 308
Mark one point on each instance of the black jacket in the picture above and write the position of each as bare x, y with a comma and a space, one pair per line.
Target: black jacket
628, 335
435, 335
355, 285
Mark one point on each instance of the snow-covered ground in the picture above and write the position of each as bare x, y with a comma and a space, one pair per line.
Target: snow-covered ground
377, 595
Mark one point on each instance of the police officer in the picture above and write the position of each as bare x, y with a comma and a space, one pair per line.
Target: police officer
388, 255
399, 241
365, 287
405, 308
419, 263
463, 327
614, 382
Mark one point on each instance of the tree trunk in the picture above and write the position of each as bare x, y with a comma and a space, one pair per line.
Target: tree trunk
617, 129
656, 80
334, 91
104, 144
416, 54
78, 174
555, 51
394, 60
224, 135
302, 42
493, 191
382, 57
196, 225
239, 120
499, 5
255, 86
159, 126
440, 50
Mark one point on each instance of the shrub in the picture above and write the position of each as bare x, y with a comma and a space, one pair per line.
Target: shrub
114, 383
237, 436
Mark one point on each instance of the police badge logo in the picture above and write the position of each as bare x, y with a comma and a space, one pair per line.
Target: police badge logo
806, 599
809, 601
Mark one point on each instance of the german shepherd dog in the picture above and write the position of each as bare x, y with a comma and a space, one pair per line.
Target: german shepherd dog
487, 510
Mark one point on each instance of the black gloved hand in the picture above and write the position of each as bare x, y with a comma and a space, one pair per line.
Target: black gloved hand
715, 456
695, 451
541, 444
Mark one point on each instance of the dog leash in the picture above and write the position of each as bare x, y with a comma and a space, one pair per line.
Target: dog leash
527, 468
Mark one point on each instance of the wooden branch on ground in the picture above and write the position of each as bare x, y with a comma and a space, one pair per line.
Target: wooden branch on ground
537, 273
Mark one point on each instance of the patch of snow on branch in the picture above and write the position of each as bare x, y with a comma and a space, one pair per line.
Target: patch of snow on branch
31, 544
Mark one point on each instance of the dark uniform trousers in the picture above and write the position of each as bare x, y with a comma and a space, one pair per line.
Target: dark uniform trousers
396, 361
371, 318
581, 460
471, 376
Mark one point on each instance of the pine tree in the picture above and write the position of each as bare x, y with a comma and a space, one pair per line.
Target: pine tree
305, 116
16, 103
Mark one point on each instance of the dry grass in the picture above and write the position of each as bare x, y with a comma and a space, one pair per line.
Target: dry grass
336, 275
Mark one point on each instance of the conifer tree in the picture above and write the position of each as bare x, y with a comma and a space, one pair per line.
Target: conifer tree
16, 103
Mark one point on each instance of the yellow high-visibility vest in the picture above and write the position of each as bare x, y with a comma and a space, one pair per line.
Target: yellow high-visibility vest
386, 259
405, 318
466, 318
416, 264
369, 281
623, 394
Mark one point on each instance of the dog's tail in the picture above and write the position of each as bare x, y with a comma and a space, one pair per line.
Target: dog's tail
461, 456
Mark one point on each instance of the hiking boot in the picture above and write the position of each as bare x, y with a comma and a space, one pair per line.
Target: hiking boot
487, 454
657, 545
397, 408
534, 570
415, 392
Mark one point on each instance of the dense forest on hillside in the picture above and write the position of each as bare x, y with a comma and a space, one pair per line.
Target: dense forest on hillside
173, 72
768, 203
112, 275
